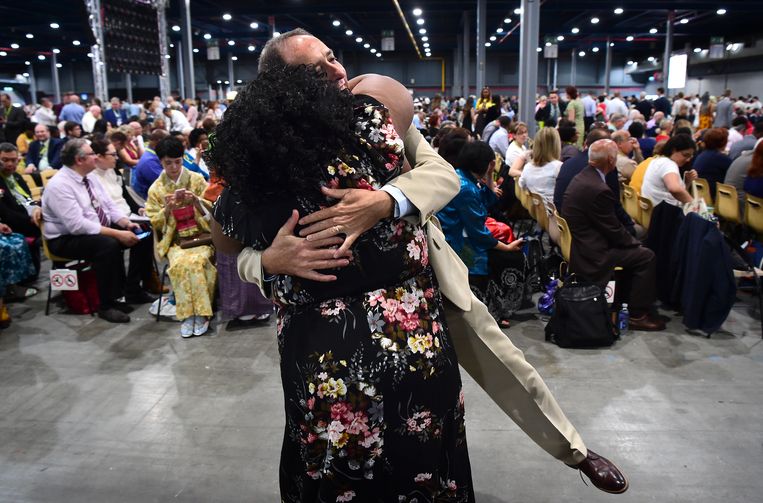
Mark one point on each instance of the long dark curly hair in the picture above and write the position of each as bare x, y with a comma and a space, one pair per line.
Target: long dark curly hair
280, 133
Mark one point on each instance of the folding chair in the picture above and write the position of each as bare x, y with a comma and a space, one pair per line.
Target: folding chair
701, 188
46, 175
727, 201
36, 191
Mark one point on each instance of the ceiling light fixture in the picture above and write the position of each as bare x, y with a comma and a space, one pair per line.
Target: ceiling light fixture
595, 49
3, 53
234, 58
41, 57
207, 36
59, 65
684, 20
507, 20
373, 51
251, 48
55, 26
359, 39
560, 38
493, 38
426, 44
417, 12
499, 30
422, 31
14, 46
619, 11
76, 43
629, 38
366, 45
721, 11
378, 55
336, 22
697, 50
575, 30
420, 21
653, 30
175, 27
56, 51
348, 33
630, 63
227, 17
581, 54
488, 44
254, 25
540, 49
231, 42
518, 11
195, 50
425, 39
594, 20
29, 35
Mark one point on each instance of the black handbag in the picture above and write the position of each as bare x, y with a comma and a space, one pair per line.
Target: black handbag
581, 318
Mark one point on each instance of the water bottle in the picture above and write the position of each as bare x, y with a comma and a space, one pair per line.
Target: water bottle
622, 319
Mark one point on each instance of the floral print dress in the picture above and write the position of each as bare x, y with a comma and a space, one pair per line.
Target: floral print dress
374, 407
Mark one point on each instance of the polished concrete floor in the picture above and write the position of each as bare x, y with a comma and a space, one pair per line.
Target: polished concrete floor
95, 412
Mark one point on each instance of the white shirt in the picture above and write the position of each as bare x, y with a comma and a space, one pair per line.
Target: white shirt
654, 186
540, 180
177, 121
734, 136
616, 106
514, 152
499, 141
677, 106
112, 185
45, 116
88, 122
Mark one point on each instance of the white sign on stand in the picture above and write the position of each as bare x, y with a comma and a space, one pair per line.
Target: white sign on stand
63, 279
609, 291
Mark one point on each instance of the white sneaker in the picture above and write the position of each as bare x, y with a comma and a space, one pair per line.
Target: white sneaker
187, 327
200, 325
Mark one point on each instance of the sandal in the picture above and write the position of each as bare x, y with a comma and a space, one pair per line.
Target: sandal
18, 293
504, 323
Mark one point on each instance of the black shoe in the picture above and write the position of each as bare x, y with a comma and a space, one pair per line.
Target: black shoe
237, 324
113, 315
140, 298
121, 307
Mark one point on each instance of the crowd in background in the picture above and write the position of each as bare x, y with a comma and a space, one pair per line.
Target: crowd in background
150, 177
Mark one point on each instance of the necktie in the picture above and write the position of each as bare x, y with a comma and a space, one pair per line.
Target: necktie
44, 151
96, 204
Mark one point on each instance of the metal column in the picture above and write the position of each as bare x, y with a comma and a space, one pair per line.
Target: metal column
185, 31
54, 74
457, 66
556, 73
481, 21
573, 68
607, 65
164, 78
32, 82
128, 86
180, 73
528, 62
467, 36
668, 48
100, 81
231, 78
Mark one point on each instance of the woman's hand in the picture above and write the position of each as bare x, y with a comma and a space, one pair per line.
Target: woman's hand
5, 229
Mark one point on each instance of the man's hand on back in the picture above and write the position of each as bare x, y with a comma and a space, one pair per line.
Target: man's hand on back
300, 257
357, 211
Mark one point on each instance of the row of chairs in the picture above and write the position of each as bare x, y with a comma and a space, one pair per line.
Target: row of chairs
637, 206
45, 175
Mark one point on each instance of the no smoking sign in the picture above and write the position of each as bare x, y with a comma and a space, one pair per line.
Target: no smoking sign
63, 279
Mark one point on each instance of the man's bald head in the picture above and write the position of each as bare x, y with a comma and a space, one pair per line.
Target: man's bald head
298, 47
602, 155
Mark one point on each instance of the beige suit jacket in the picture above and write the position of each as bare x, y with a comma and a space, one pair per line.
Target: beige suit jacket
482, 348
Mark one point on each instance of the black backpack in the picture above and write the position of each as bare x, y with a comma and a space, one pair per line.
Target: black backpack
581, 318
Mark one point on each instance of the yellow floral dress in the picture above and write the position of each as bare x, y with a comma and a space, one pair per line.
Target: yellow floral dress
191, 271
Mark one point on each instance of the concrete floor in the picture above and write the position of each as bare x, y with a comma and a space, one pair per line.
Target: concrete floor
95, 412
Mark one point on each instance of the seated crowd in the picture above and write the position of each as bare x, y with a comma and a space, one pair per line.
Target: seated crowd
133, 177
94, 184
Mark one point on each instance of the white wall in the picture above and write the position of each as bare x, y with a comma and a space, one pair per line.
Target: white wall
739, 83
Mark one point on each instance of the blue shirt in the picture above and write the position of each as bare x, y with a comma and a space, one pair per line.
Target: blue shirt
72, 112
712, 166
145, 173
189, 163
463, 223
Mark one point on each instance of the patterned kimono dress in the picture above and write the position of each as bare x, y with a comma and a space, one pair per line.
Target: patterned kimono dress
372, 390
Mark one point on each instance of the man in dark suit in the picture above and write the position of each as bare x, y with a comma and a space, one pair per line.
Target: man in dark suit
116, 115
44, 153
662, 104
12, 119
552, 112
570, 169
645, 106
600, 241
16, 206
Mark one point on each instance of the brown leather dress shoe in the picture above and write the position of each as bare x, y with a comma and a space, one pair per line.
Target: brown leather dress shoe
603, 473
646, 323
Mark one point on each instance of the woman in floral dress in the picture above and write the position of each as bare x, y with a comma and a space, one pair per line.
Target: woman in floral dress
374, 409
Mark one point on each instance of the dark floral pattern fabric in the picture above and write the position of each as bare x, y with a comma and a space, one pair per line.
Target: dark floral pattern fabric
374, 409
